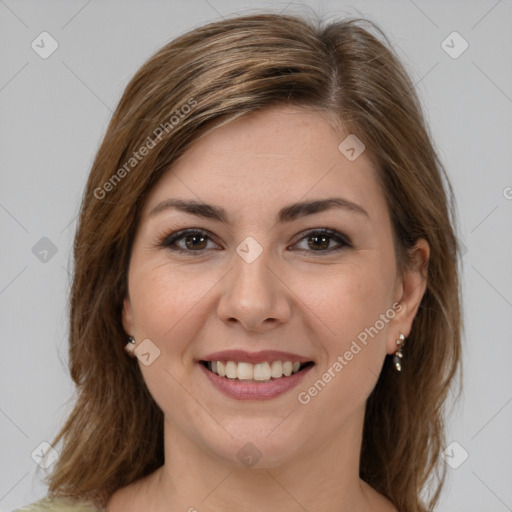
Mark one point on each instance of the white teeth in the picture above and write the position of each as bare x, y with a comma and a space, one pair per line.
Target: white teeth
277, 369
259, 372
245, 371
231, 370
262, 371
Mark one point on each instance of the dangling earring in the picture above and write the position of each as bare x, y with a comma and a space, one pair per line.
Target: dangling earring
130, 345
397, 358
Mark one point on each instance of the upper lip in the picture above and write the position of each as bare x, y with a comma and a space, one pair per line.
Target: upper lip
254, 357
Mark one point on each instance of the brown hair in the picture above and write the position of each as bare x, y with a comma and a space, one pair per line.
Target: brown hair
220, 72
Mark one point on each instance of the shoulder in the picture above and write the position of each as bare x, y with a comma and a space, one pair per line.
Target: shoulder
59, 504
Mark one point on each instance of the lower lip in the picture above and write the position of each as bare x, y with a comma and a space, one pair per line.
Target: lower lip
254, 390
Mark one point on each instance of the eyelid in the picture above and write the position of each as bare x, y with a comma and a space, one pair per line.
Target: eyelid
170, 239
343, 241
329, 232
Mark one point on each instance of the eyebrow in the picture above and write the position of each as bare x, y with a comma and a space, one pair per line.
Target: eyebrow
286, 214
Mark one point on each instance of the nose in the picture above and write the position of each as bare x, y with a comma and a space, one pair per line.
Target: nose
254, 295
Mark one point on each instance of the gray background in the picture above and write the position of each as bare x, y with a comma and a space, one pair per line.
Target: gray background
54, 112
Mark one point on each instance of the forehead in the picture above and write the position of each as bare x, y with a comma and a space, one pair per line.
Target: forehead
275, 156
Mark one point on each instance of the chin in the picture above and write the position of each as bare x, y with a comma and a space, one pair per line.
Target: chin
260, 445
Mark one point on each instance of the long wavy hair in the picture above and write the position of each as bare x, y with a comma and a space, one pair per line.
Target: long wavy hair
200, 80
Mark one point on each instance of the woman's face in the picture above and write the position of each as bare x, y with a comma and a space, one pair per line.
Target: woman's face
257, 274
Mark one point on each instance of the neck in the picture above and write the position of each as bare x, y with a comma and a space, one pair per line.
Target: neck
321, 476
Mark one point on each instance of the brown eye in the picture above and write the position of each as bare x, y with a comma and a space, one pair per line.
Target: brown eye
320, 241
194, 242
187, 241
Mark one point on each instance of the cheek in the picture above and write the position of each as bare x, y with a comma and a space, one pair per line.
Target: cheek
349, 297
352, 336
164, 301
167, 309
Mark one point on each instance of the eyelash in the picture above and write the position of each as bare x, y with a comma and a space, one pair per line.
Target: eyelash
169, 241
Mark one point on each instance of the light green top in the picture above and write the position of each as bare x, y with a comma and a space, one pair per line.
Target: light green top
55, 504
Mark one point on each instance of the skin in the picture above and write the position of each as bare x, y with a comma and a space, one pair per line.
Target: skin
315, 305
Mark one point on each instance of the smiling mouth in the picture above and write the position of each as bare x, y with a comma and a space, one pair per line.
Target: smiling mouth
260, 372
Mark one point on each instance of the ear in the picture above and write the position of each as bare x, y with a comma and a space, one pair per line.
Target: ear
410, 288
127, 316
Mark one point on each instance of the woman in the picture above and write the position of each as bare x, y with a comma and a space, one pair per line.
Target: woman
269, 234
